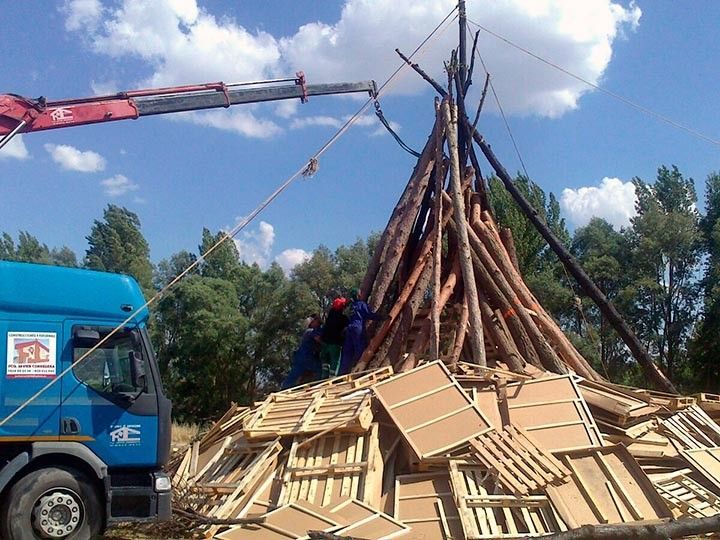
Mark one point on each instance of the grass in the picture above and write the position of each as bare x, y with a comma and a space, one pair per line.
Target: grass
183, 434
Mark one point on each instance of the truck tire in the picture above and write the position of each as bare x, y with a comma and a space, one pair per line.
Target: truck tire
51, 503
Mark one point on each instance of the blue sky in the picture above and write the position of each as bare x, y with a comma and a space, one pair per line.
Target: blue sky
184, 173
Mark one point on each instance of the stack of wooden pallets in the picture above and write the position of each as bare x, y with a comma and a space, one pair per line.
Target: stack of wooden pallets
434, 454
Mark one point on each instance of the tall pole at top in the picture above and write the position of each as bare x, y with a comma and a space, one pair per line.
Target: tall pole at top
462, 53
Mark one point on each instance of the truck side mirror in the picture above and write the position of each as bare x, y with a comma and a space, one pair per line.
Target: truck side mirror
137, 367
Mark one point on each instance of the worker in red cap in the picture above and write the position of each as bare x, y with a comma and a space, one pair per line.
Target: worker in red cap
332, 336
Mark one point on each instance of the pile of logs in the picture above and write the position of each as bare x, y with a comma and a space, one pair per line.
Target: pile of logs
447, 277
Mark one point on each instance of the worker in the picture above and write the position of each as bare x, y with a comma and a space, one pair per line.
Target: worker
305, 358
355, 335
332, 338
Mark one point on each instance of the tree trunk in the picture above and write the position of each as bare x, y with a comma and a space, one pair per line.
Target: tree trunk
476, 330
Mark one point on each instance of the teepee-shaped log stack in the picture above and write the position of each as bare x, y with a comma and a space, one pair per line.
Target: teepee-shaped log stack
444, 274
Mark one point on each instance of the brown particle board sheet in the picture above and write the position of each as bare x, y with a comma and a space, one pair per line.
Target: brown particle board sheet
431, 409
290, 522
620, 407
367, 522
334, 468
312, 412
487, 513
425, 503
553, 412
606, 486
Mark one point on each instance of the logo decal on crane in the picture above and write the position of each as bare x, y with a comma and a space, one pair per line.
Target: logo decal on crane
61, 115
125, 435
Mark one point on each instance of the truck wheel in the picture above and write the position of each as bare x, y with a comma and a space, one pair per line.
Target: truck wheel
51, 503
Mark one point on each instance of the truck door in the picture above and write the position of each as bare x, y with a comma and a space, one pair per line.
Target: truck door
110, 395
31, 358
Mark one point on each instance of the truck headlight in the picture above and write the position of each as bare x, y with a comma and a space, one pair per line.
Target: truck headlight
162, 483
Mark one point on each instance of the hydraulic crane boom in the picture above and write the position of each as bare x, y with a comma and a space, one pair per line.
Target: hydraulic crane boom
23, 115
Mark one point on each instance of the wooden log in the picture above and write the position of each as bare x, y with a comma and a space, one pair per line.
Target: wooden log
461, 229
462, 332
642, 530
501, 337
509, 244
437, 247
489, 236
404, 212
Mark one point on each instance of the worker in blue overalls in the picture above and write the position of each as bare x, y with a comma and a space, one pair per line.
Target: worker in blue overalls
355, 335
305, 358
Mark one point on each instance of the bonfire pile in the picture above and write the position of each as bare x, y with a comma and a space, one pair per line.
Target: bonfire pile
470, 415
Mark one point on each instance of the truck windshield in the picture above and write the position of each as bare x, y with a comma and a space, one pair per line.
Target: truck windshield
117, 366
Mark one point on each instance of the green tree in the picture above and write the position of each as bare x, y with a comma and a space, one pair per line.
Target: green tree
30, 249
666, 247
116, 244
705, 348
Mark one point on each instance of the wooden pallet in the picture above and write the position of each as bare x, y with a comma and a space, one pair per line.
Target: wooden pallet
310, 412
485, 513
342, 384
334, 468
431, 410
691, 428
606, 486
688, 498
553, 412
519, 466
367, 522
706, 461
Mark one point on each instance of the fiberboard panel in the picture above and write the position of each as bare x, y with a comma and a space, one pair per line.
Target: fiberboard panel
430, 425
553, 412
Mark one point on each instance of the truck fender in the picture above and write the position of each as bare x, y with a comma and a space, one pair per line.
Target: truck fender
73, 449
11, 469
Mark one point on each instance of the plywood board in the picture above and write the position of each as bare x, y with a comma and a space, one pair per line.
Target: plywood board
283, 415
425, 503
484, 513
431, 410
287, 522
334, 468
606, 486
553, 412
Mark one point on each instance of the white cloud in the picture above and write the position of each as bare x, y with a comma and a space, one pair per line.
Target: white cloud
240, 121
183, 42
256, 246
614, 201
72, 159
82, 14
290, 258
104, 88
118, 185
15, 149
307, 121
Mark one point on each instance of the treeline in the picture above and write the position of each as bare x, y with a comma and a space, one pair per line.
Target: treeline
227, 331
224, 333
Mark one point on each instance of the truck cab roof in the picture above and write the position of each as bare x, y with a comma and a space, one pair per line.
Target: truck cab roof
39, 288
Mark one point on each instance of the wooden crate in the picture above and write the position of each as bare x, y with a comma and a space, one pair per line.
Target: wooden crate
687, 498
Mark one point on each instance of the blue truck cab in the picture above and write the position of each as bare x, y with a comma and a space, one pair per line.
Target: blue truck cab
88, 450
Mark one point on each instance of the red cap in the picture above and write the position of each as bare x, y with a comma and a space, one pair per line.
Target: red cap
339, 303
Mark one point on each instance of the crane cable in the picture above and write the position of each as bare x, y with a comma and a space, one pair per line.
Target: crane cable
308, 169
626, 101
